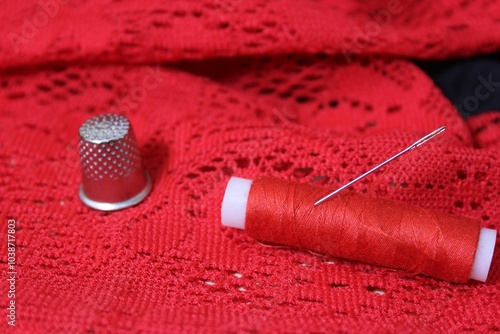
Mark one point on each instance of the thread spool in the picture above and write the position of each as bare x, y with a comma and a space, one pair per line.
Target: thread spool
371, 230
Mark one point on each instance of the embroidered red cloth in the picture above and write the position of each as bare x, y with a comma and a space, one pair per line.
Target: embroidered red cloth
310, 91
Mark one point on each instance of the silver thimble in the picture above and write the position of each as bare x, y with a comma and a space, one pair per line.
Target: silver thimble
113, 176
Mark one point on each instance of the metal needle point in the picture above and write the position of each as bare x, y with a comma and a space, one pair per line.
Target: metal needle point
416, 144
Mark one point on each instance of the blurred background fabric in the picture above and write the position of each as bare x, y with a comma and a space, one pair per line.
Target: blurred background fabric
461, 80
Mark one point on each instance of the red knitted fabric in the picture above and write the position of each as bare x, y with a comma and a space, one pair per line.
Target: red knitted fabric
309, 91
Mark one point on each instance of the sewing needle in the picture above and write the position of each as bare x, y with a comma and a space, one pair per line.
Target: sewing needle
416, 144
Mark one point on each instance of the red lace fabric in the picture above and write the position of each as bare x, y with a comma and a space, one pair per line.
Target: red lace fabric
309, 91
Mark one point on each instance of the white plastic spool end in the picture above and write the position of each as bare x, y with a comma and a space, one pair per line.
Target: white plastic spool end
484, 254
234, 204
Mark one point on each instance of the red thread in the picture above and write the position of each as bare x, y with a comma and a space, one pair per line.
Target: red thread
371, 230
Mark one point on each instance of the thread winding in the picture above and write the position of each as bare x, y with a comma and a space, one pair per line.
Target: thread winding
370, 230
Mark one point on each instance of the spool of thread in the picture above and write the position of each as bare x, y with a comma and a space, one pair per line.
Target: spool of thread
355, 227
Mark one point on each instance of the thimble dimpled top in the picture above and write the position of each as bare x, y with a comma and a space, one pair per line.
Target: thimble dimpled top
113, 177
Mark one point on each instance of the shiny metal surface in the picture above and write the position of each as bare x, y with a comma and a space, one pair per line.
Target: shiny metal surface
113, 176
413, 146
